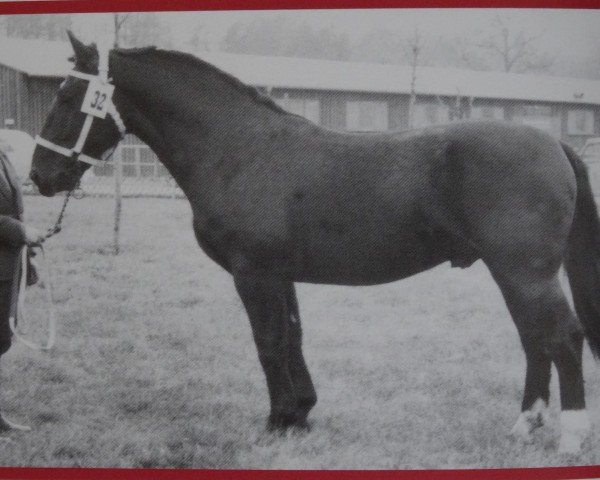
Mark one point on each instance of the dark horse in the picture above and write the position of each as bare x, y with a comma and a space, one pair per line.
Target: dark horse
277, 200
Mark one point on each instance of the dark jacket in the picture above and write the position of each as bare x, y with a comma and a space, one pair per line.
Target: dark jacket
12, 229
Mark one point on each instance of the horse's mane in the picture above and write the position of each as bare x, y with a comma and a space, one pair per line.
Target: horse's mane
194, 62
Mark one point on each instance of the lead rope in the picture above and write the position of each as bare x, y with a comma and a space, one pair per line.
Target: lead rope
18, 307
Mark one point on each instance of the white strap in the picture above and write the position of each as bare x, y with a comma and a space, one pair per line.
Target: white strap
82, 75
116, 116
66, 152
85, 131
21, 306
42, 142
103, 55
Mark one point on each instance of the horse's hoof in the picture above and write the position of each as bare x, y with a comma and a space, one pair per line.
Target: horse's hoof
283, 421
7, 426
302, 425
305, 404
529, 421
569, 444
521, 433
575, 427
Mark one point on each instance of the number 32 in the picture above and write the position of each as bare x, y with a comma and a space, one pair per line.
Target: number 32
98, 100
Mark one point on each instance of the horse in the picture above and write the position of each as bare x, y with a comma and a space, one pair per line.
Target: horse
277, 199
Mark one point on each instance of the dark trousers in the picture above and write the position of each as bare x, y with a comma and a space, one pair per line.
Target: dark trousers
5, 333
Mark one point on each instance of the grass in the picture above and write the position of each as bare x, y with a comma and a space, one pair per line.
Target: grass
155, 366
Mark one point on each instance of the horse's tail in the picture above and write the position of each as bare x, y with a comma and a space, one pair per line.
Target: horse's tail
583, 254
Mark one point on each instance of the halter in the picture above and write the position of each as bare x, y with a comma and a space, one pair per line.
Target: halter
100, 85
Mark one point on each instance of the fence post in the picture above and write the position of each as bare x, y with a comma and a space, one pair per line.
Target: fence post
118, 173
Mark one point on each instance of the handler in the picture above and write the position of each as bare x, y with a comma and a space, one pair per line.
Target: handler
13, 235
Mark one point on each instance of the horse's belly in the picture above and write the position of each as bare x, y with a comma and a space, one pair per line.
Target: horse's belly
373, 258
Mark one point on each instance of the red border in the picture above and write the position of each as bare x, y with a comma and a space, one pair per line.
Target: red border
556, 473
85, 6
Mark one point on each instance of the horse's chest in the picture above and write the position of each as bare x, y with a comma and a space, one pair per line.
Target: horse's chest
261, 239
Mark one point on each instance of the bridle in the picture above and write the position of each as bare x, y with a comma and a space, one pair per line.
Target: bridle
99, 84
96, 103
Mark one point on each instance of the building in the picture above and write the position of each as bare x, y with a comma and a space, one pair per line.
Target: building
338, 95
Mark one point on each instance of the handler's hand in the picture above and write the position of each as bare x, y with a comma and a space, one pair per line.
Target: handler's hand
33, 236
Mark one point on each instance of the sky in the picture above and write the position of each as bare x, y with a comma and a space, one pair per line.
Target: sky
565, 32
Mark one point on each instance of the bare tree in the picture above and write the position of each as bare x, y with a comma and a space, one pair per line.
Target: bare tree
118, 20
415, 46
508, 48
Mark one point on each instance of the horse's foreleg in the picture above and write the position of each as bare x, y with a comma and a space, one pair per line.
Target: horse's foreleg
265, 300
306, 396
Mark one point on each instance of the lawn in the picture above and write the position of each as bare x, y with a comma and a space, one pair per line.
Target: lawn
155, 366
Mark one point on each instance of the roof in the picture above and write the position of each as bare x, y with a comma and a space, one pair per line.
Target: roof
49, 59
313, 74
38, 58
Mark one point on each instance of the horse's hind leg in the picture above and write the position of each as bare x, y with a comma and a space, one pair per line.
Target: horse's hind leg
549, 331
306, 397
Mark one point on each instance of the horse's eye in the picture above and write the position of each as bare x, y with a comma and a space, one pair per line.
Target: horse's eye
65, 96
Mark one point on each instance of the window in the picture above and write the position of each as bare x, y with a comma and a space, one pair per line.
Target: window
426, 114
307, 108
538, 116
104, 169
591, 152
128, 161
147, 163
580, 122
487, 112
534, 110
137, 160
367, 116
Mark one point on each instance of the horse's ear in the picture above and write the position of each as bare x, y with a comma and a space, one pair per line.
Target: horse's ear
81, 51
86, 56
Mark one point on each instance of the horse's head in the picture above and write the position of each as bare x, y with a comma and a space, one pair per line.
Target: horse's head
71, 140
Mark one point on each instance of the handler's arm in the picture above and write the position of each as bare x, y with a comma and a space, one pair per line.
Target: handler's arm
12, 231
16, 234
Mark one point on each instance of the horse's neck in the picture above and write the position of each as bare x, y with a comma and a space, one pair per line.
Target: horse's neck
176, 119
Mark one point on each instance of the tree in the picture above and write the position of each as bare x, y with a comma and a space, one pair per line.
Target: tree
118, 20
506, 48
140, 29
415, 45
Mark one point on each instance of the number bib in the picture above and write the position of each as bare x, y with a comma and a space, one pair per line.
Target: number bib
97, 98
